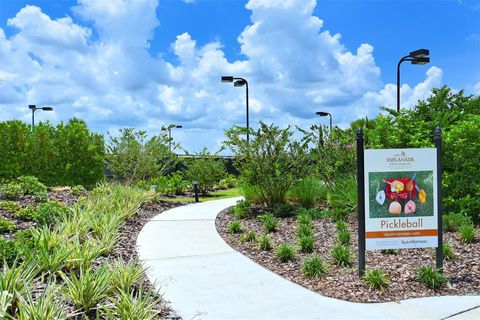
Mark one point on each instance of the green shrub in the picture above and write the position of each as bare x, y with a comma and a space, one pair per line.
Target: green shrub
269, 222
88, 288
270, 162
31, 185
306, 243
448, 253
78, 190
341, 225
49, 212
170, 185
13, 145
26, 213
206, 169
9, 206
376, 279
285, 252
250, 193
344, 237
314, 267
430, 276
344, 195
24, 239
342, 255
312, 212
242, 209
11, 191
264, 242
133, 157
283, 210
466, 233
235, 227
229, 181
6, 225
249, 236
451, 222
8, 251
339, 214
50, 252
304, 218
304, 231
308, 191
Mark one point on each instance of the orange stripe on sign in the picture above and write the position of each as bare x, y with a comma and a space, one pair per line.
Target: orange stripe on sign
402, 233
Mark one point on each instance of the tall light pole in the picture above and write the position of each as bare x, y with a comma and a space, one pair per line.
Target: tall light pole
35, 108
240, 82
419, 56
324, 114
169, 128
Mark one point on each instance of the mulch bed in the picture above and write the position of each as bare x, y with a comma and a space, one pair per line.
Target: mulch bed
343, 283
126, 244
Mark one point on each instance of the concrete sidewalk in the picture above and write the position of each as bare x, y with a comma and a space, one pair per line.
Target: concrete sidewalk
204, 278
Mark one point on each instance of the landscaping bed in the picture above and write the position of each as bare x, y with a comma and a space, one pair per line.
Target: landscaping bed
77, 230
400, 267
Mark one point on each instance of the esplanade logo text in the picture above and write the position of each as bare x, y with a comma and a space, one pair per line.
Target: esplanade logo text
401, 157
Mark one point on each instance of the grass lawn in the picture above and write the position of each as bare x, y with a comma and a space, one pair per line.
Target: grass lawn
217, 195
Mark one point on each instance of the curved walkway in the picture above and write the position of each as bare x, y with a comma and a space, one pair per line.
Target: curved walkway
204, 278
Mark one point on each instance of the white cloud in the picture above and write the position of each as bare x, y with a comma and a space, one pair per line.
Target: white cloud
106, 75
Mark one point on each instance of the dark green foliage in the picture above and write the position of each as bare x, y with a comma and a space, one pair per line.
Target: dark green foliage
344, 237
24, 239
314, 267
304, 218
342, 255
306, 243
31, 185
264, 242
452, 221
49, 212
459, 118
467, 233
235, 227
430, 276
376, 279
308, 191
205, 169
67, 154
338, 214
343, 196
8, 251
169, 185
269, 222
304, 231
283, 210
9, 206
26, 213
312, 212
242, 209
271, 162
6, 225
133, 157
341, 225
448, 253
285, 252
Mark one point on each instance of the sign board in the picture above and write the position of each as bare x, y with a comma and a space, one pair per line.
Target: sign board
401, 198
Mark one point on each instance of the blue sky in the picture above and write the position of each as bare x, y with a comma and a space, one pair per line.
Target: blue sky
299, 56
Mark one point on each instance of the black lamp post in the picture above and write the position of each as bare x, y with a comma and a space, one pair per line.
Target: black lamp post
35, 108
240, 82
169, 128
324, 114
419, 56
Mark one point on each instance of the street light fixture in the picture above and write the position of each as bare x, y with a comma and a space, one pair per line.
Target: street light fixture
324, 114
35, 108
169, 128
420, 56
240, 82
